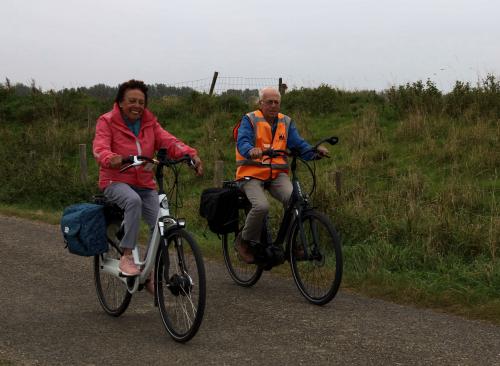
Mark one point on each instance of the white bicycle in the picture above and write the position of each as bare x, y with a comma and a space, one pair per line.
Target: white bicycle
172, 254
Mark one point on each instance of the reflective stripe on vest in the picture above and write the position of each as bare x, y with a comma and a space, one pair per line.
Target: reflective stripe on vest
265, 167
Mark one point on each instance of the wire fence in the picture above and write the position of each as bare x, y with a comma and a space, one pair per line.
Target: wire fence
228, 84
200, 85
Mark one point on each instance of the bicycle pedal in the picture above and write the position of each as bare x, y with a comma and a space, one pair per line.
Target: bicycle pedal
121, 274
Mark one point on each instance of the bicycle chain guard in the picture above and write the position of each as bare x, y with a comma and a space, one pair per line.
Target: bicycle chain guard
268, 256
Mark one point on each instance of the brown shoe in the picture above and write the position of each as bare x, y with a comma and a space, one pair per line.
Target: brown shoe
244, 251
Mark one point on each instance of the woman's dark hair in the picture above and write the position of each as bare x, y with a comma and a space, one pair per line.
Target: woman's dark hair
132, 84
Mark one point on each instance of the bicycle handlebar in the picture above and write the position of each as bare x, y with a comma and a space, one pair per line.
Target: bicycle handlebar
136, 160
275, 153
332, 140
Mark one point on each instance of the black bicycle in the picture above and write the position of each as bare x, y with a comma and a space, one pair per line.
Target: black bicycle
306, 238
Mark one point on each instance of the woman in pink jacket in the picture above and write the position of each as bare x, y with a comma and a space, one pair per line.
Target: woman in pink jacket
131, 129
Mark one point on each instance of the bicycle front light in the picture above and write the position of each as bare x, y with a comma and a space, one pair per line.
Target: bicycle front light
164, 203
181, 222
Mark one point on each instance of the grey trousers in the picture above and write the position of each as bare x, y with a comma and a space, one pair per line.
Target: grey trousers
134, 201
280, 188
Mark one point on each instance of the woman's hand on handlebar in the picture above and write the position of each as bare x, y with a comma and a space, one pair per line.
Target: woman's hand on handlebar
197, 165
115, 161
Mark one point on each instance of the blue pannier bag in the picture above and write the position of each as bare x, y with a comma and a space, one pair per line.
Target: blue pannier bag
83, 227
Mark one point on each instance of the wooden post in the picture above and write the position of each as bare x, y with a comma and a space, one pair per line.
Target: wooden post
218, 173
83, 163
214, 79
338, 182
282, 87
336, 178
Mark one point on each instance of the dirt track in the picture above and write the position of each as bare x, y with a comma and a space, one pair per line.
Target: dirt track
50, 315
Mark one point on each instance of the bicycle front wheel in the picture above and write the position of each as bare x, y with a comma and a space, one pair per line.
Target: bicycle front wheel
111, 291
316, 258
180, 285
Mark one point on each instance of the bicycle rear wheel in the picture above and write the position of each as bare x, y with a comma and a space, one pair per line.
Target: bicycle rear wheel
180, 285
242, 273
111, 291
316, 262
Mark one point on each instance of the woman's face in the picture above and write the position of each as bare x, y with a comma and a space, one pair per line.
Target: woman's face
133, 104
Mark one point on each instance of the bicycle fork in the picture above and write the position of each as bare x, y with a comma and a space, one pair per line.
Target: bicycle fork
180, 283
310, 246
302, 234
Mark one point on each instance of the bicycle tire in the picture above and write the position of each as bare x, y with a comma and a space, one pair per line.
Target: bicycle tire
112, 292
180, 286
317, 271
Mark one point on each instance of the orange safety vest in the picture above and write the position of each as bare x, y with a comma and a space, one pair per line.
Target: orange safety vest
265, 168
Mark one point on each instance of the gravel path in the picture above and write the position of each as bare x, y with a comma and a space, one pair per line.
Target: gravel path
50, 315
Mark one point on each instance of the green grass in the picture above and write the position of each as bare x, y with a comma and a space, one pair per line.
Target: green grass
418, 209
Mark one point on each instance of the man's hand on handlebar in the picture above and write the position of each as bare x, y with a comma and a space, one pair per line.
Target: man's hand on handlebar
255, 153
322, 152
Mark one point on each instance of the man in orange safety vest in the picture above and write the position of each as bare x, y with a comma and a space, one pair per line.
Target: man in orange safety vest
265, 128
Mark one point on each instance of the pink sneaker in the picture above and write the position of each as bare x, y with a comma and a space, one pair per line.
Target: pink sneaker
128, 267
149, 284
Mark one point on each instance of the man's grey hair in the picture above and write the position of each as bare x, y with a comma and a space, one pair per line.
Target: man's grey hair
268, 88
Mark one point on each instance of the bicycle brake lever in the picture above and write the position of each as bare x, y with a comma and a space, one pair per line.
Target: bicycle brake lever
317, 156
135, 162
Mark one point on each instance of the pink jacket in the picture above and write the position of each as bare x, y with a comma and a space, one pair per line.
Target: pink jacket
113, 137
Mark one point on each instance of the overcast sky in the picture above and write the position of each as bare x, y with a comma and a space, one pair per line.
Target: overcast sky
351, 44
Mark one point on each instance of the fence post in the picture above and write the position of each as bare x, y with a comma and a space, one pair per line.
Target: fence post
83, 163
212, 86
218, 173
282, 87
336, 178
338, 182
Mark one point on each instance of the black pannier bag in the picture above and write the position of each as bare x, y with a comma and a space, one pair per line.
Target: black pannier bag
83, 226
220, 207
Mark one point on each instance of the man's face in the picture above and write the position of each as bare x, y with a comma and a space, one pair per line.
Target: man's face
133, 104
270, 104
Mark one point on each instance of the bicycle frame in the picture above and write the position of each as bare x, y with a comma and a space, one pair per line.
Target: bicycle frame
165, 224
298, 203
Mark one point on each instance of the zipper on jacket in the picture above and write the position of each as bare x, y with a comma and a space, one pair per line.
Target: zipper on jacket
138, 144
